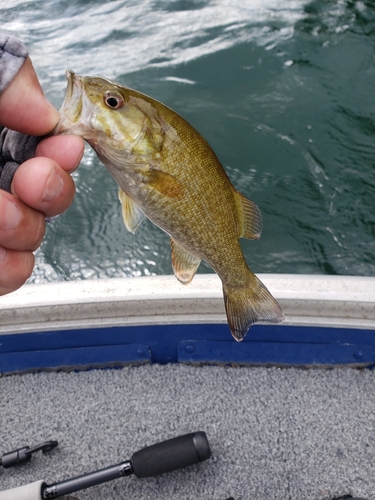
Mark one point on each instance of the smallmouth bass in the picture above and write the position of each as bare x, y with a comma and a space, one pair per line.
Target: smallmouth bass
167, 171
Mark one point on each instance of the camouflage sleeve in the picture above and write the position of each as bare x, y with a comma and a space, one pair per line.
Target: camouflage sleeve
12, 56
15, 148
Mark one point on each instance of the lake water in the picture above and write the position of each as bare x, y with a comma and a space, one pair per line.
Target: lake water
284, 91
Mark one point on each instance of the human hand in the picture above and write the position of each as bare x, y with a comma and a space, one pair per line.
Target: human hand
42, 186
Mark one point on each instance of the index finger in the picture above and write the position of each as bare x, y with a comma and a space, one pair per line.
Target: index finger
66, 150
23, 106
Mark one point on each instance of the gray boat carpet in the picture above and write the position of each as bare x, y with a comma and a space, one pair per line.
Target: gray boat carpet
275, 434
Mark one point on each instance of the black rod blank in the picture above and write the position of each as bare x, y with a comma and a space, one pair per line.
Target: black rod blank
87, 480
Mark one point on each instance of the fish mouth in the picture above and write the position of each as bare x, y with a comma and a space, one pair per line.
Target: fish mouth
70, 111
72, 80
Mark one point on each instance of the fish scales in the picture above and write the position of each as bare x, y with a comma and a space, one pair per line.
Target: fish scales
167, 172
196, 207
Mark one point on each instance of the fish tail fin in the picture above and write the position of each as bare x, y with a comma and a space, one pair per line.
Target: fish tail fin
248, 305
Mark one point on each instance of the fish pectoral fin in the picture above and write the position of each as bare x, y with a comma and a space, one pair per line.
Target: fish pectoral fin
184, 264
165, 183
131, 213
249, 216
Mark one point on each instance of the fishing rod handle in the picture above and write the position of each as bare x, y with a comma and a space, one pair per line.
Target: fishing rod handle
32, 491
170, 455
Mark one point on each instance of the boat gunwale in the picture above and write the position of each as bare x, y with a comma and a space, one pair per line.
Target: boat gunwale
313, 300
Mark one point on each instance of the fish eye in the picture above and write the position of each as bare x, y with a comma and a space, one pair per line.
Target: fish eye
113, 100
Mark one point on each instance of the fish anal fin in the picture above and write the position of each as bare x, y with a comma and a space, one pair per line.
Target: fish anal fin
131, 213
249, 216
163, 182
184, 263
246, 306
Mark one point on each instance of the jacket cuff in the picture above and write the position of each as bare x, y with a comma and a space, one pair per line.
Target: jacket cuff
15, 148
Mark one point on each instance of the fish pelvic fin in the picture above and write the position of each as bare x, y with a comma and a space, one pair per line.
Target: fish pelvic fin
184, 264
131, 213
249, 217
246, 306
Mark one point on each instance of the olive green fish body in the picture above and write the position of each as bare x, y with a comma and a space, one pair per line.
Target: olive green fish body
167, 172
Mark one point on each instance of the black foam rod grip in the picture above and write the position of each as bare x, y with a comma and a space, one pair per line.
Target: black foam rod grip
171, 455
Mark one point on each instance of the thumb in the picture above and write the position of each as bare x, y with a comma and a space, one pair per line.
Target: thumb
23, 106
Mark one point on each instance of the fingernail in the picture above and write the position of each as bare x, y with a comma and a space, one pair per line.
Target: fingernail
3, 254
53, 187
10, 215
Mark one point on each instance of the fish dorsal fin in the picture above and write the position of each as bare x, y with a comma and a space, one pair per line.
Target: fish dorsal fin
184, 263
131, 213
249, 217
